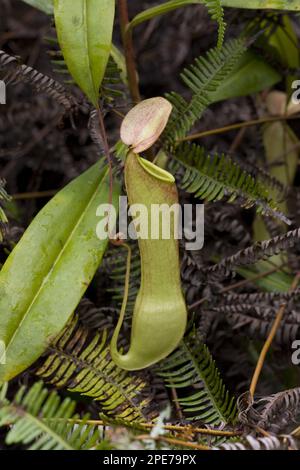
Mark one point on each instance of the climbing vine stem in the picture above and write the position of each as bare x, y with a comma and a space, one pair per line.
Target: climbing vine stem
106, 151
129, 51
269, 340
238, 125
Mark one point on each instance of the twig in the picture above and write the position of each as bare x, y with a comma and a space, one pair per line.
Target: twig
35, 195
176, 403
269, 340
107, 154
296, 432
171, 440
167, 427
265, 349
238, 125
236, 285
189, 428
262, 431
129, 52
237, 140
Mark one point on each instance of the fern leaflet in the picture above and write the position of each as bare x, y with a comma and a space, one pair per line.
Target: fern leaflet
192, 366
3, 219
203, 78
39, 420
212, 177
217, 13
114, 267
251, 442
83, 365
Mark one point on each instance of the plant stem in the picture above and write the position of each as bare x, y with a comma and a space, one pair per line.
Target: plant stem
114, 340
106, 151
176, 442
269, 340
208, 432
236, 285
167, 427
238, 125
265, 350
176, 403
129, 52
35, 195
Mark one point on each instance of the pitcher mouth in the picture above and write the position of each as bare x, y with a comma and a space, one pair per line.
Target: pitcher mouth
156, 171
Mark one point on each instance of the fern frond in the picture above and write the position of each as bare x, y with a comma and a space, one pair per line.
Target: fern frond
112, 83
280, 191
216, 12
191, 365
203, 78
38, 419
251, 442
213, 177
3, 219
11, 71
255, 321
258, 251
114, 267
81, 362
258, 297
97, 318
280, 411
198, 276
111, 86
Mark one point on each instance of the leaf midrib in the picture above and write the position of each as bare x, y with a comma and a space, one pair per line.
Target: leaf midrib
200, 374
58, 257
43, 426
86, 40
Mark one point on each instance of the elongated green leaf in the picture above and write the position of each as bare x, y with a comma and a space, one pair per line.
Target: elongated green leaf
284, 40
160, 10
282, 44
214, 7
47, 273
84, 31
45, 5
289, 5
251, 75
292, 5
119, 59
166, 7
277, 281
40, 420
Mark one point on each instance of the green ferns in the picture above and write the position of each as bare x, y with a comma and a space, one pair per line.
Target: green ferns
213, 177
112, 81
83, 364
41, 420
114, 267
3, 219
214, 8
217, 13
192, 366
203, 78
